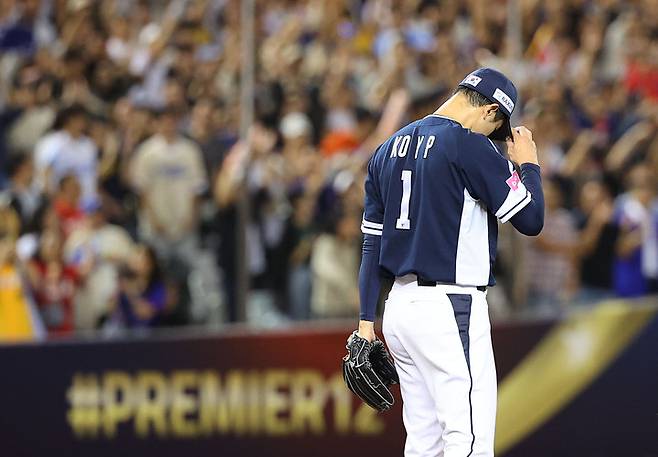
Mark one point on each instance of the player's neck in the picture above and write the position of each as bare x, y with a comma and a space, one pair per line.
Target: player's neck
458, 110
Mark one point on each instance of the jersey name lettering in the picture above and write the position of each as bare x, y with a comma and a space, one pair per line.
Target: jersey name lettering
401, 145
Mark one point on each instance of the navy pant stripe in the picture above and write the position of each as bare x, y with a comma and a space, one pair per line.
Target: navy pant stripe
461, 306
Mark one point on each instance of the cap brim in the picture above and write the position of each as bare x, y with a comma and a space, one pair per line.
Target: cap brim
503, 132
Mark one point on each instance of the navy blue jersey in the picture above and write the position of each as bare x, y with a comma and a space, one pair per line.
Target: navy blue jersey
434, 193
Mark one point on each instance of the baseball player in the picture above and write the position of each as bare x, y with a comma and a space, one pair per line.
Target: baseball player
434, 193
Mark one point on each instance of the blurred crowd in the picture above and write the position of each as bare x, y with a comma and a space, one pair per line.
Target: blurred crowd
124, 178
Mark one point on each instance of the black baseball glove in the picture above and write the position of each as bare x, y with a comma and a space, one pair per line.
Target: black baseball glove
368, 371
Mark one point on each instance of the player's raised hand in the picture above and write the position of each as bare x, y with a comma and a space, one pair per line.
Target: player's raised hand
522, 149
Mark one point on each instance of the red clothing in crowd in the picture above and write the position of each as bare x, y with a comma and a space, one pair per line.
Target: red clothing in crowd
70, 216
642, 78
54, 295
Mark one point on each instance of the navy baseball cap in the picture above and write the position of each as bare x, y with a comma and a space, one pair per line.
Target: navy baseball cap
497, 88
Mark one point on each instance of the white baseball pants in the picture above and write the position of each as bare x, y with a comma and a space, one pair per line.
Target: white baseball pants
440, 339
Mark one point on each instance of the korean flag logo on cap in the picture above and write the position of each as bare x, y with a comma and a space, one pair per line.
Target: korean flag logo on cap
472, 80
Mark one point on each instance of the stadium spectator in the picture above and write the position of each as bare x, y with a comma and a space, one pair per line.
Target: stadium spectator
17, 98
143, 295
18, 320
597, 240
297, 246
551, 256
335, 265
167, 173
38, 116
53, 284
21, 193
100, 248
205, 127
68, 151
66, 204
636, 262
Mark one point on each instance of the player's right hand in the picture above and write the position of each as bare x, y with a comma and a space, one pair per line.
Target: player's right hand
522, 149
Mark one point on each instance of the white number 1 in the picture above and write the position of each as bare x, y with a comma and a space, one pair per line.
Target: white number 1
403, 221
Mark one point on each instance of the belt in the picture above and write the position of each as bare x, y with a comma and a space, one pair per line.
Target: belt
428, 283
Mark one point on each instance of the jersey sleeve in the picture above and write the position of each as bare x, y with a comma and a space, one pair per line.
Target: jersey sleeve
373, 214
492, 179
372, 227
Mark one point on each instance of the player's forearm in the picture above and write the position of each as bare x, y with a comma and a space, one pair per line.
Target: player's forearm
530, 220
369, 279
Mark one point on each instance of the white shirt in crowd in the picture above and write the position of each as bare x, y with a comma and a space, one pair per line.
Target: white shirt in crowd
64, 155
169, 177
335, 266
